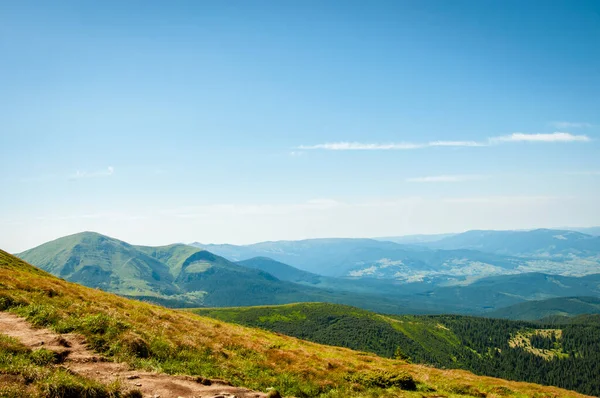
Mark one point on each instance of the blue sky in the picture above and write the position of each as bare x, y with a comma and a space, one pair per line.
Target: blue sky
242, 121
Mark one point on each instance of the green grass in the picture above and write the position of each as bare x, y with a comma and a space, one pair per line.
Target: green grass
27, 373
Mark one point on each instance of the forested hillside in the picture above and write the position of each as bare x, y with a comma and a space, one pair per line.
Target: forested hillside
567, 355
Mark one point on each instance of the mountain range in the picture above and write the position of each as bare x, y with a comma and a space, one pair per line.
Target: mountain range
441, 259
183, 275
179, 275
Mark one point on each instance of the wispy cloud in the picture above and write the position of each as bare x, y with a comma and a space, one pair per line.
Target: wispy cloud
550, 137
570, 125
361, 146
109, 171
514, 137
447, 178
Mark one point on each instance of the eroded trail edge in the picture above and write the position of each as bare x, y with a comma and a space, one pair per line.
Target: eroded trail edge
83, 361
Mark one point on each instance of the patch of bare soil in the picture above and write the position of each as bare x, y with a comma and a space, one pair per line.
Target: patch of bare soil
79, 359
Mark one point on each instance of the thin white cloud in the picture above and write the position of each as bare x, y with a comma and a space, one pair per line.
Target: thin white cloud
361, 146
100, 173
550, 137
570, 125
447, 178
557, 136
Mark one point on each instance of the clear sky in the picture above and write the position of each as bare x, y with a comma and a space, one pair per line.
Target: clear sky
241, 121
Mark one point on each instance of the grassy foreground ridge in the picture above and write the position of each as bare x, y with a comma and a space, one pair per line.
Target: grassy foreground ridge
566, 355
177, 342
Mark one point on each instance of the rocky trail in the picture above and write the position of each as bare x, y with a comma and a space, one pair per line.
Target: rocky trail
78, 358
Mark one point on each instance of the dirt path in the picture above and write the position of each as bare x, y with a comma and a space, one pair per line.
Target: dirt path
81, 360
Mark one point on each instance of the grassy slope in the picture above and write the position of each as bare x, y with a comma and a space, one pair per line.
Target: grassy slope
182, 342
352, 327
561, 306
478, 344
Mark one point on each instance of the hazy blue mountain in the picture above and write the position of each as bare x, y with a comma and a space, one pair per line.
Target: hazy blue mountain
389, 288
457, 257
332, 257
491, 293
280, 270
478, 296
373, 259
415, 239
594, 231
538, 309
536, 243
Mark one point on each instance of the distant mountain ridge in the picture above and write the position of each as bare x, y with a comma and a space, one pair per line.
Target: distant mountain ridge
536, 243
370, 258
380, 276
280, 270
540, 309
179, 275
99, 261
464, 256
